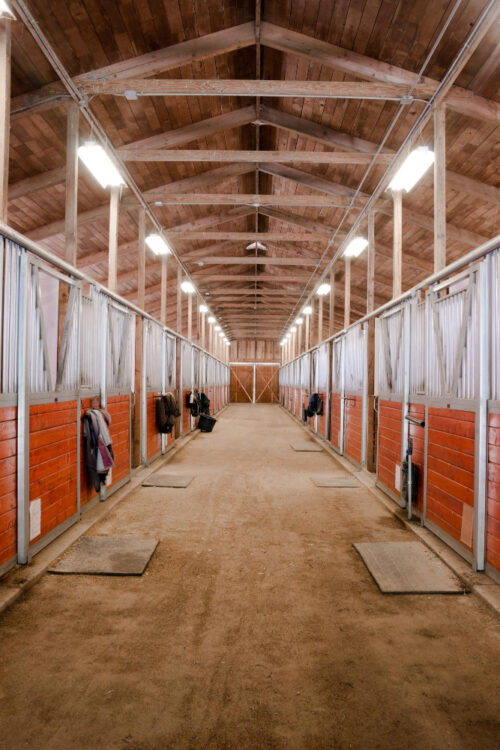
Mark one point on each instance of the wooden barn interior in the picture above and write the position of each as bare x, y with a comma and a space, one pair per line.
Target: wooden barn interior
249, 374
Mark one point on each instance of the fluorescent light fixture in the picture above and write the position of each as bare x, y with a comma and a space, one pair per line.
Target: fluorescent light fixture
289, 335
228, 343
100, 165
412, 169
292, 329
5, 11
203, 309
307, 310
256, 246
299, 321
355, 247
157, 244
218, 328
211, 319
323, 289
283, 342
221, 335
187, 287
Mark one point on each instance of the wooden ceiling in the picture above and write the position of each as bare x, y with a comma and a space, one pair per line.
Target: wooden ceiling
213, 204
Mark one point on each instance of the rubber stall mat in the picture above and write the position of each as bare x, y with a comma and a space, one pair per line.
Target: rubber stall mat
106, 556
407, 568
308, 447
335, 481
168, 480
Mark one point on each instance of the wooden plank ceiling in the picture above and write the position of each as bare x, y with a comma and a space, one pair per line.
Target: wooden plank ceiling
212, 209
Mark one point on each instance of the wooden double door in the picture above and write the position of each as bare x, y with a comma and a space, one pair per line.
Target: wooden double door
254, 383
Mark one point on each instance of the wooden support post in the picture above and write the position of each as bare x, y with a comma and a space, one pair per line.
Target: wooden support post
190, 317
71, 207
370, 263
331, 315
163, 292
179, 299
141, 259
320, 320
5, 77
203, 316
308, 324
114, 201
397, 257
439, 188
347, 293
299, 326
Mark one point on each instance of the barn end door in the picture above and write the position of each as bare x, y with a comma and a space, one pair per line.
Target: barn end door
266, 383
242, 383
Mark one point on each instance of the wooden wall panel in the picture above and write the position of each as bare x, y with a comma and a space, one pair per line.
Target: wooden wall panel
153, 437
335, 420
389, 443
8, 483
353, 427
254, 350
493, 520
450, 472
120, 432
266, 384
241, 384
53, 462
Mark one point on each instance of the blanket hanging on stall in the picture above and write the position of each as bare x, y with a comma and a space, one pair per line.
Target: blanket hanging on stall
99, 456
166, 412
315, 405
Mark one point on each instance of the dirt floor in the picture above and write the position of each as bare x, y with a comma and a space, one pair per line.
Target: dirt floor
256, 624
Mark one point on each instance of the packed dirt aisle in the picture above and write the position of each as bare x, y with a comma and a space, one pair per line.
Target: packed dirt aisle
256, 625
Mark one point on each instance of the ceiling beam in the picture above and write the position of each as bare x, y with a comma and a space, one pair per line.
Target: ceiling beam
337, 139
149, 64
252, 157
301, 221
248, 236
138, 87
252, 199
38, 182
194, 131
459, 99
254, 261
277, 278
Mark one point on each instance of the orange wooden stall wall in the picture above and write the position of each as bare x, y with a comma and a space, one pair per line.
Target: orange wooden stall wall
353, 427
493, 515
389, 443
8, 483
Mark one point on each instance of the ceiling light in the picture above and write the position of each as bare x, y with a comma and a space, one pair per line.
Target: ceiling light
5, 11
228, 343
355, 247
292, 329
211, 319
299, 321
203, 309
307, 310
289, 335
218, 328
187, 287
221, 335
323, 289
412, 169
256, 246
283, 342
100, 165
157, 244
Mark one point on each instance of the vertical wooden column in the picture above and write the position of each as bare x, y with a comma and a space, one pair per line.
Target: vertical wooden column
320, 319
163, 289
370, 263
439, 188
203, 316
114, 200
141, 259
397, 249
71, 207
5, 77
347, 293
179, 299
331, 315
190, 317
306, 339
299, 331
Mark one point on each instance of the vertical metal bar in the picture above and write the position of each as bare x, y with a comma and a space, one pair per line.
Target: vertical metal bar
23, 500
5, 79
397, 252
405, 407
439, 187
364, 418
78, 329
481, 436
163, 378
342, 395
104, 340
144, 395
